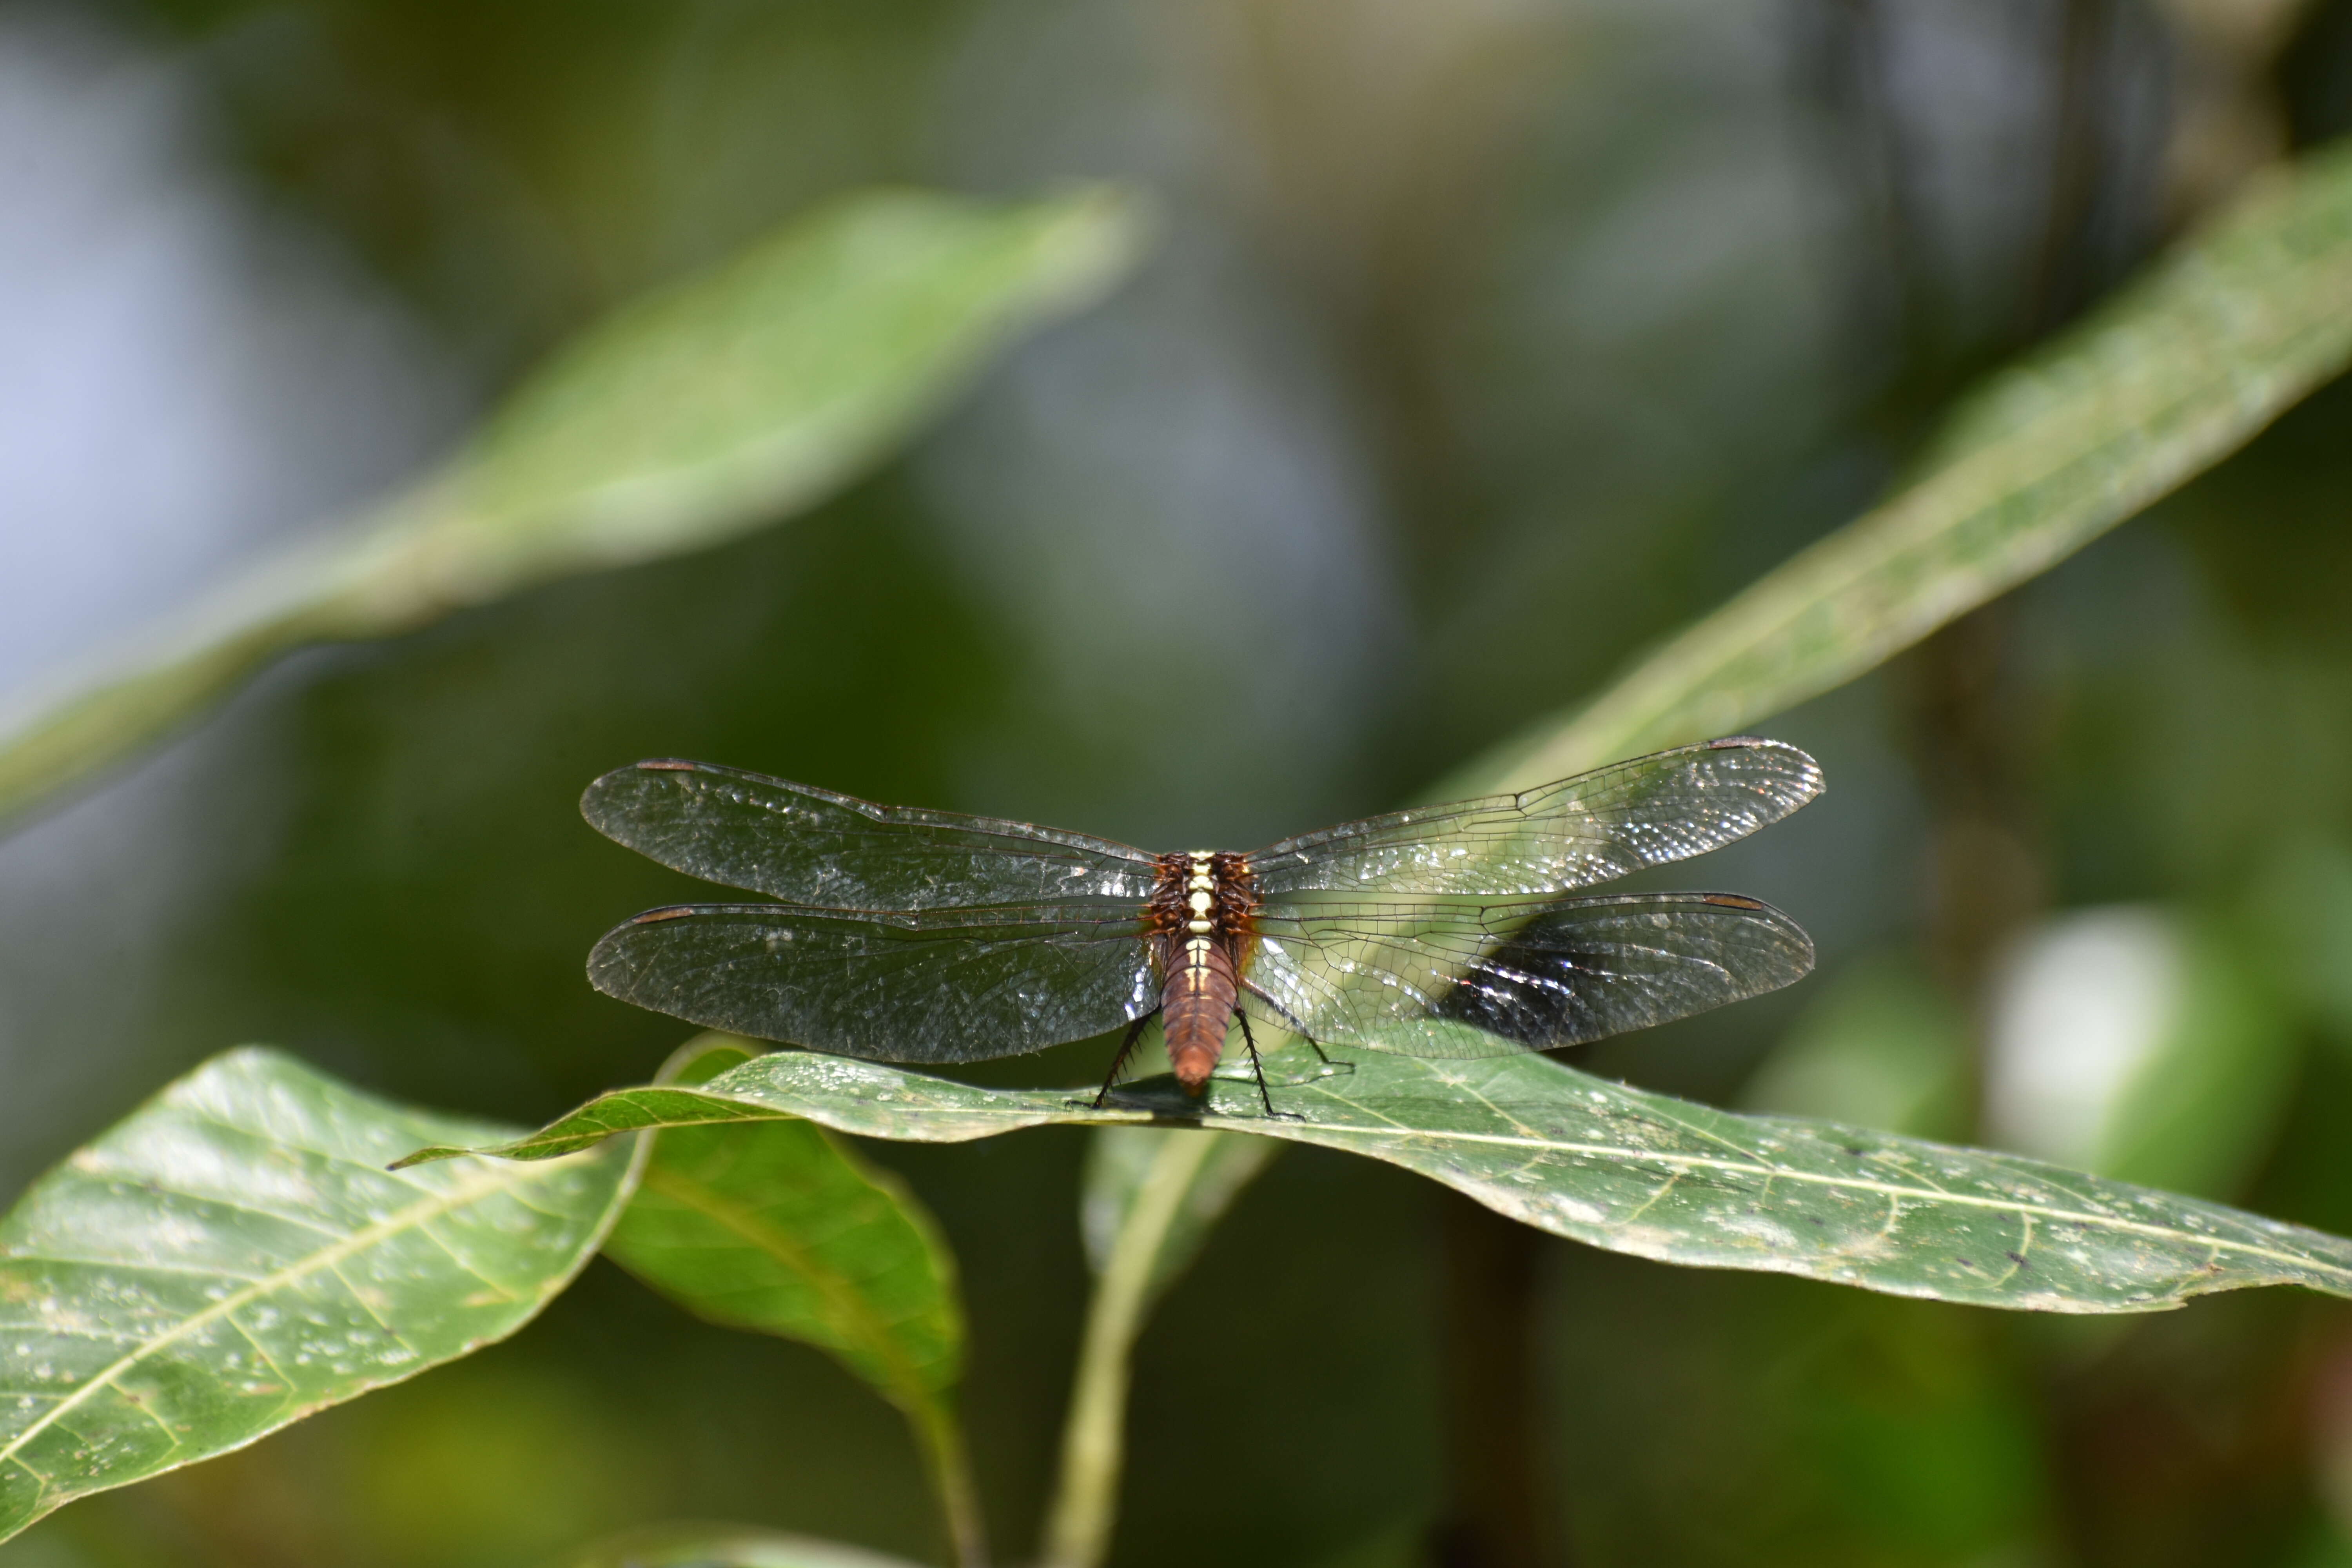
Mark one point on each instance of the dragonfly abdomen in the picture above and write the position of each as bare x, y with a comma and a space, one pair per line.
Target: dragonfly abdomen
1197, 1008
1199, 917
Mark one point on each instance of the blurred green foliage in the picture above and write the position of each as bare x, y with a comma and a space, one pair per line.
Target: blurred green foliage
679, 422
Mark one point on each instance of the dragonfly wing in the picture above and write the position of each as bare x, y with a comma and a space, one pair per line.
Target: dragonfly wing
1591, 828
1405, 974
809, 846
954, 985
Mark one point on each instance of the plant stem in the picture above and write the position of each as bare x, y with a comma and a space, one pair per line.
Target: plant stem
949, 1463
1500, 1511
1086, 1501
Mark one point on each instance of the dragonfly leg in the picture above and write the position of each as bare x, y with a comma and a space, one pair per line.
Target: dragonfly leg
1118, 1062
1293, 1026
1259, 1068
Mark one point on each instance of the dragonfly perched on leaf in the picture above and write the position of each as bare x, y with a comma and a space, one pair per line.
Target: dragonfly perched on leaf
930, 936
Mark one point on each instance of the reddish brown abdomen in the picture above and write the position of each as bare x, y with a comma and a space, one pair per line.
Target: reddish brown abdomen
1197, 1009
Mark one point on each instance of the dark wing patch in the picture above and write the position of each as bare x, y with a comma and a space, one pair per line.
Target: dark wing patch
1527, 974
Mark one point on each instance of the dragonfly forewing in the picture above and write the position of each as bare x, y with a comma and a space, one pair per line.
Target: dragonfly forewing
809, 846
1588, 829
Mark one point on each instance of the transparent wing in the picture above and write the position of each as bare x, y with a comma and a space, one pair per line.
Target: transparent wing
1591, 828
1403, 975
813, 846
951, 986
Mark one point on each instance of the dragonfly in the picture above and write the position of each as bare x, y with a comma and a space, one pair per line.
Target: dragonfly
895, 934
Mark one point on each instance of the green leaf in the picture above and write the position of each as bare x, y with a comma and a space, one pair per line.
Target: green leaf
779, 1229
1617, 1167
234, 1255
690, 418
726, 1546
2174, 373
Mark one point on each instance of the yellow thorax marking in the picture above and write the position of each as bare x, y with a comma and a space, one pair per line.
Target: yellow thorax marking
1201, 891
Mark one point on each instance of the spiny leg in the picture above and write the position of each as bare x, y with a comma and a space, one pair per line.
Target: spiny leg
1259, 1068
1295, 1028
1118, 1062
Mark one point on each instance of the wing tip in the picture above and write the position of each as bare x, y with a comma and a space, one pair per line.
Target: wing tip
607, 800
1809, 771
666, 912
1776, 919
1760, 743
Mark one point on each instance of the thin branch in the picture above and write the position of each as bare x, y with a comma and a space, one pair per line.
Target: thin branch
1094, 1438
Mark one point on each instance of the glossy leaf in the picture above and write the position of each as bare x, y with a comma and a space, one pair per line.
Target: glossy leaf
1620, 1168
779, 1229
236, 1256
726, 1546
2176, 372
687, 418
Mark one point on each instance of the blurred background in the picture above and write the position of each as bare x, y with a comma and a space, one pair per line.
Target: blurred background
1485, 343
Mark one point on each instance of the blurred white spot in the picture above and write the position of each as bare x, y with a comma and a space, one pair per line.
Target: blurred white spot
2080, 1005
